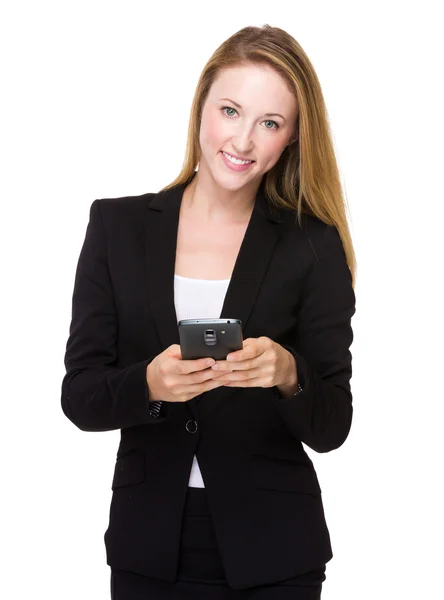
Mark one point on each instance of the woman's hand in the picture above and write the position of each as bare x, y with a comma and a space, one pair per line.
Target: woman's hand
261, 363
172, 379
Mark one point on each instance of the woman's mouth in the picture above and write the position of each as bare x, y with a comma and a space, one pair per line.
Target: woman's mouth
235, 164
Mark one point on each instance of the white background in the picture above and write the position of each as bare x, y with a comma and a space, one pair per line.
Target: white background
95, 102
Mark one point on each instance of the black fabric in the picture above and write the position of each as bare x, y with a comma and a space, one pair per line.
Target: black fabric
201, 572
290, 283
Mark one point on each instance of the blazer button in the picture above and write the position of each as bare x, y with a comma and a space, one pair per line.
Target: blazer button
191, 426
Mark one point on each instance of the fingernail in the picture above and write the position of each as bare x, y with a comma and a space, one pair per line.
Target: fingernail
215, 367
210, 362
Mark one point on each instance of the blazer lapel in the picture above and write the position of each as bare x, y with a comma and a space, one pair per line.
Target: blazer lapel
256, 251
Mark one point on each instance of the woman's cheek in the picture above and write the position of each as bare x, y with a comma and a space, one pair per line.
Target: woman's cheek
274, 151
211, 129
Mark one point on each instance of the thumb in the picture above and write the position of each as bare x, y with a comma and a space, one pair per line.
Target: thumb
174, 351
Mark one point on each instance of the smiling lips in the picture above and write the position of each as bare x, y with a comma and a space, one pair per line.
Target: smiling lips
234, 163
236, 158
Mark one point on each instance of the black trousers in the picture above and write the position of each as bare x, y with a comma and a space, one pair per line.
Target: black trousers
201, 574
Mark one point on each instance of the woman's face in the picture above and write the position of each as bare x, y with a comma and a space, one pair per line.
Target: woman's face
251, 114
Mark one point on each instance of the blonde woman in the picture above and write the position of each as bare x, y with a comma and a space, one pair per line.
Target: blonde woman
214, 495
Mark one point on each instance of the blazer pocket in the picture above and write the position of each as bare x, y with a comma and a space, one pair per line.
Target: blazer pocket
272, 473
129, 469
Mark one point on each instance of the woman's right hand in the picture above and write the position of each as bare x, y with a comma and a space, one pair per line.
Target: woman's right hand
172, 379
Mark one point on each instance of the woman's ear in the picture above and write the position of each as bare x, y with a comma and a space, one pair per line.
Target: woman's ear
293, 138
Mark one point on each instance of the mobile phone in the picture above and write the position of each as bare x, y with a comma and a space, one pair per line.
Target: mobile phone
213, 338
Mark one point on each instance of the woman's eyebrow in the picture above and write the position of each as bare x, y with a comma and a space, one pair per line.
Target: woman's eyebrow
265, 114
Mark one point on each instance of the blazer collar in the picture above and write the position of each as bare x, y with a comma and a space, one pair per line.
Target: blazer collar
256, 251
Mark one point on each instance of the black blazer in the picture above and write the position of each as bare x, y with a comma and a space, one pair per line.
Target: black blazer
290, 284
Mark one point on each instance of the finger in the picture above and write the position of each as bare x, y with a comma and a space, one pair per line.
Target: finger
237, 376
239, 360
174, 351
201, 376
218, 375
222, 366
254, 382
201, 387
184, 367
189, 391
252, 347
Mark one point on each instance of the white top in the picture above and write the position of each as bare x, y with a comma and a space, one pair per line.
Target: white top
197, 299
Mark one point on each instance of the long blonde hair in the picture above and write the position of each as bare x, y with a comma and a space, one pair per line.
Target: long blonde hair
306, 176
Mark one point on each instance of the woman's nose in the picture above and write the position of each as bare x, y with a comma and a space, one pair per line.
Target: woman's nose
243, 144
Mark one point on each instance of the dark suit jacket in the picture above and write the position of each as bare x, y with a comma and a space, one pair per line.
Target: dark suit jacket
289, 283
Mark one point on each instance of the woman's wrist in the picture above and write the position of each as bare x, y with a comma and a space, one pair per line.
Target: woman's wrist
286, 391
292, 386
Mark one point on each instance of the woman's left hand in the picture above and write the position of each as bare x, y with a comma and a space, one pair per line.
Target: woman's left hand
261, 363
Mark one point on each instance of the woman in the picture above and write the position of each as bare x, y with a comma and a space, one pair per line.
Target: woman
214, 495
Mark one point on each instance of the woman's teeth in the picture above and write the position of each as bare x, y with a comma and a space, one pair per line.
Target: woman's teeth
235, 160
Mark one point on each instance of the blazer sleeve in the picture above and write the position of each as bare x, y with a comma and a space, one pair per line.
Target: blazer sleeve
321, 414
96, 395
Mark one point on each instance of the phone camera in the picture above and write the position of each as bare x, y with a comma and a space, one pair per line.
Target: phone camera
210, 337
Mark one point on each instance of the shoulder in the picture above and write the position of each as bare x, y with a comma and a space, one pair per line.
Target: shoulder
121, 209
124, 204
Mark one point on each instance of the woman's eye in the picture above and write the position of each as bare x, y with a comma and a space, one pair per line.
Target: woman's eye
274, 122
228, 108
230, 116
